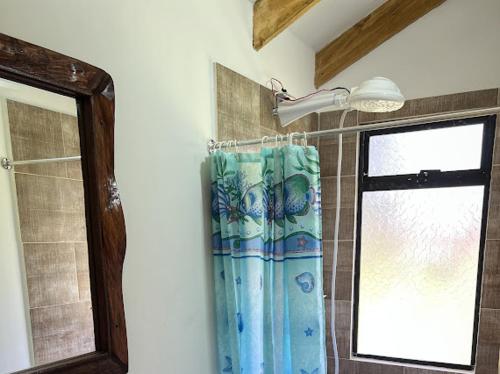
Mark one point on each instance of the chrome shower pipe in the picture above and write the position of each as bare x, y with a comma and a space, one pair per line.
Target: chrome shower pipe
8, 164
411, 121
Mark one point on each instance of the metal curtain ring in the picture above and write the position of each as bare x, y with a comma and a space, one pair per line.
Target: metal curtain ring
264, 138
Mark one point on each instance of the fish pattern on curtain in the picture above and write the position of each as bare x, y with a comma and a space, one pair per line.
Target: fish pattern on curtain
266, 218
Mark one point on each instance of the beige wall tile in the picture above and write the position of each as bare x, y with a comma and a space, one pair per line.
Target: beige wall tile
409, 370
373, 368
307, 123
49, 193
349, 151
71, 142
52, 226
36, 133
331, 120
62, 331
52, 289
82, 256
346, 367
343, 286
489, 327
328, 153
59, 347
491, 291
492, 257
328, 157
74, 170
70, 135
346, 230
32, 149
225, 126
49, 258
37, 192
342, 328
72, 197
329, 192
84, 286
61, 319
344, 257
30, 122
238, 103
496, 149
494, 205
487, 359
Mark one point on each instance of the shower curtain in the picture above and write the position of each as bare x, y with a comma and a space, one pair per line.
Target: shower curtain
266, 219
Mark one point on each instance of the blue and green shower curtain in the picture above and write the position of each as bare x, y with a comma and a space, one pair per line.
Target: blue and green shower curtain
266, 217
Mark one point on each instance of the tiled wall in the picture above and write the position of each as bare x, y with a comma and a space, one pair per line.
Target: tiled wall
52, 225
244, 111
489, 333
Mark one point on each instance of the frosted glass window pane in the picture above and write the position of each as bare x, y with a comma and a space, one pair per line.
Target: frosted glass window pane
419, 262
452, 148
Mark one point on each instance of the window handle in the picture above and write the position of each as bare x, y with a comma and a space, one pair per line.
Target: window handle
423, 176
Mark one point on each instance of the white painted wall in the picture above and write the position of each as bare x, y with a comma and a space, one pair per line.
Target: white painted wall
454, 48
160, 54
15, 337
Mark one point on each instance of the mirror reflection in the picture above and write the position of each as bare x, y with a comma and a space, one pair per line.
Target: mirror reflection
44, 267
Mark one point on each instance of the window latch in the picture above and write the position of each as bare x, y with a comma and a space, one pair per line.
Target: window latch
424, 175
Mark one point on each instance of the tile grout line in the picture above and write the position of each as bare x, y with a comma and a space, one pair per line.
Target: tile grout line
48, 176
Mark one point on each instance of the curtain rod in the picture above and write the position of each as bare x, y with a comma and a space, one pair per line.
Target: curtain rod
417, 120
9, 164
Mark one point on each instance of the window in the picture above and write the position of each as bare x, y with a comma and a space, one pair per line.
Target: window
421, 222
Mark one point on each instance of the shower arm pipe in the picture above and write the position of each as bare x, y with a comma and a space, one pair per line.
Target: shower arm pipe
417, 120
8, 164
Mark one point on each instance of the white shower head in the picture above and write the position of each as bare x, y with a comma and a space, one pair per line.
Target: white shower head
374, 95
378, 94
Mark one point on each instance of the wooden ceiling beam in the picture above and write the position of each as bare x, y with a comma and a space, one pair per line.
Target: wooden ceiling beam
271, 17
382, 24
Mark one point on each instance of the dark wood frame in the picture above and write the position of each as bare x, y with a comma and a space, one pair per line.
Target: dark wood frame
94, 93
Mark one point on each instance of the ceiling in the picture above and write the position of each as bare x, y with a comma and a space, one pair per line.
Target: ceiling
329, 19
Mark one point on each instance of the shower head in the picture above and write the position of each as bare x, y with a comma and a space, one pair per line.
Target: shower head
374, 95
378, 95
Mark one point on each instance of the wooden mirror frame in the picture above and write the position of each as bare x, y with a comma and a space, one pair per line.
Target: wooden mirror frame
93, 91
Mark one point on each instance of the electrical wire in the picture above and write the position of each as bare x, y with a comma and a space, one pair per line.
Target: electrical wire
317, 92
336, 244
280, 90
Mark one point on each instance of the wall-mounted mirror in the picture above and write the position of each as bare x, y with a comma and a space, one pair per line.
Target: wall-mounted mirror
62, 233
44, 265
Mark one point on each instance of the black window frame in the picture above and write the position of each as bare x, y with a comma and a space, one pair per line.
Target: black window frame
424, 179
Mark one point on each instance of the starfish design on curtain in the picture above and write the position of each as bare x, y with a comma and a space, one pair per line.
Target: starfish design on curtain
302, 242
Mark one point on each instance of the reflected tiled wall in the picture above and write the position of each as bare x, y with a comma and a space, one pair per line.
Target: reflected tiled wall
52, 224
244, 111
